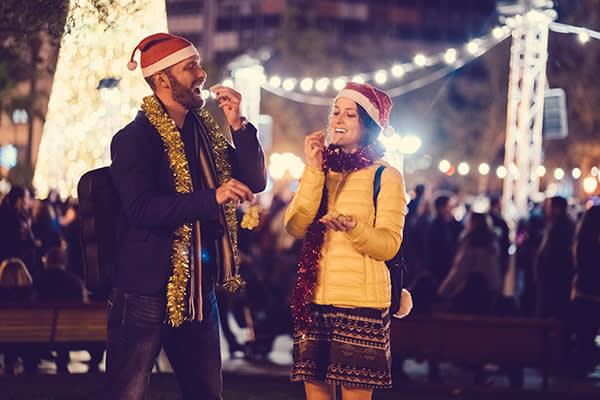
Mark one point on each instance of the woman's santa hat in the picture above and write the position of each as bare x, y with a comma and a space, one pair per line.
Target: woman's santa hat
375, 102
160, 51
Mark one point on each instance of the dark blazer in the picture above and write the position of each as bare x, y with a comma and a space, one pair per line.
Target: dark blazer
152, 209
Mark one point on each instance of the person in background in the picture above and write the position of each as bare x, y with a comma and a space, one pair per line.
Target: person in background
501, 227
554, 266
16, 237
56, 284
585, 293
474, 282
341, 300
441, 239
16, 286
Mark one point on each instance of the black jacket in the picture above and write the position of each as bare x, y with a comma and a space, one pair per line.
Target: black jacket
152, 209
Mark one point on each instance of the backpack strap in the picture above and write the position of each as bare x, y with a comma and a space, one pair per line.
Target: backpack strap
377, 185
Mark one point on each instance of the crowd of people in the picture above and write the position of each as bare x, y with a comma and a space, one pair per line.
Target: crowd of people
40, 261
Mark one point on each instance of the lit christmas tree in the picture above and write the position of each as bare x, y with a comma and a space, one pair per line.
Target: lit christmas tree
93, 93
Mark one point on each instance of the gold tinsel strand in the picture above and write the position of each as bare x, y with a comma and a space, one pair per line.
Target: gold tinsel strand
219, 148
177, 285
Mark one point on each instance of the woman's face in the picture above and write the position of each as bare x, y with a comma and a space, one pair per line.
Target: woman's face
344, 125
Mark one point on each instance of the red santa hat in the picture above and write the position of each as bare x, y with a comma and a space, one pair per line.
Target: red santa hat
160, 51
375, 102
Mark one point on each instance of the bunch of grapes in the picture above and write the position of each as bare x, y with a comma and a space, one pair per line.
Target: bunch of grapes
250, 219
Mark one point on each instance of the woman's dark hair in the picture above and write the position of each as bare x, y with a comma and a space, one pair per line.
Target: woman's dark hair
369, 126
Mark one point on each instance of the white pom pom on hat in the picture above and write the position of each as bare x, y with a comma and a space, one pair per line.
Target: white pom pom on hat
388, 131
376, 103
131, 65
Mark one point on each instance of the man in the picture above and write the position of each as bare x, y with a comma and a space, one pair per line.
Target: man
178, 181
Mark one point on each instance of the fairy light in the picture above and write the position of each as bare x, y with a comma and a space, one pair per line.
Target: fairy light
498, 32
339, 83
559, 173
484, 169
444, 166
81, 118
306, 84
358, 79
576, 173
381, 76
420, 60
472, 47
463, 168
288, 84
321, 84
583, 37
275, 81
397, 71
450, 56
501, 172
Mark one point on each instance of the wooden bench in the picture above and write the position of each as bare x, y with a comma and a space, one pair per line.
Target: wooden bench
52, 325
512, 342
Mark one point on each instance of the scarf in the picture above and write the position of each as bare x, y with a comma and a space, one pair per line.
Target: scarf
334, 159
178, 289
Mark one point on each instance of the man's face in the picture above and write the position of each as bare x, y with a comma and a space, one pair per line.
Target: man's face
186, 79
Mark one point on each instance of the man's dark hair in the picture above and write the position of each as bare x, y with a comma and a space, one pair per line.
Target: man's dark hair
150, 81
419, 190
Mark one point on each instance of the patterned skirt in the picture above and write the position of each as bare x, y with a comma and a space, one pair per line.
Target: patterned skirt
345, 346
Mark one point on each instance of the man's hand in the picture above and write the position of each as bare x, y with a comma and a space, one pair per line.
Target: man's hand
229, 100
235, 191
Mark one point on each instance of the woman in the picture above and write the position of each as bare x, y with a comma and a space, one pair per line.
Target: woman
342, 294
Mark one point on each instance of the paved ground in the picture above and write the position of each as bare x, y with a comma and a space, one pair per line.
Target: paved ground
454, 380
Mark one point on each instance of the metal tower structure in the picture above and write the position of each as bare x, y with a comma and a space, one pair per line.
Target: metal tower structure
527, 81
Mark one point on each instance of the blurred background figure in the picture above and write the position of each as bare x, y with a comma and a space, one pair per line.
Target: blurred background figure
585, 294
554, 267
474, 282
56, 284
441, 238
16, 286
16, 237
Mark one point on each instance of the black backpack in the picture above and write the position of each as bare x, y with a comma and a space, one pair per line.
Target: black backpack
396, 265
99, 209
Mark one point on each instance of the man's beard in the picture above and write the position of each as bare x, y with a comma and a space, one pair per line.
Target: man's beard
183, 95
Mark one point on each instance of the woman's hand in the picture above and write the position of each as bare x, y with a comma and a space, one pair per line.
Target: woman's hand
313, 149
338, 222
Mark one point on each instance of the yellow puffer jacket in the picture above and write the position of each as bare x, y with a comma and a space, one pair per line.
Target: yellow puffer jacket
352, 272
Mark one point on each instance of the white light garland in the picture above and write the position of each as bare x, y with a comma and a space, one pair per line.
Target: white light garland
83, 114
441, 64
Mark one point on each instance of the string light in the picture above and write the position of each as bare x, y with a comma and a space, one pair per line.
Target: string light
438, 65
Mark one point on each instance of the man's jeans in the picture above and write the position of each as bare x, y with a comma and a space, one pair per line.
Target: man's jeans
136, 333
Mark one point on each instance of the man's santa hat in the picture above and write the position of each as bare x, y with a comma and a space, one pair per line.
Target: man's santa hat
375, 102
160, 51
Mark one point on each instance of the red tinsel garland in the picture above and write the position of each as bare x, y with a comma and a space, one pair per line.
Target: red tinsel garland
308, 266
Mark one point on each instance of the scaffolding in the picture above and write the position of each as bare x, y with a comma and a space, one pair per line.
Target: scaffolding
527, 81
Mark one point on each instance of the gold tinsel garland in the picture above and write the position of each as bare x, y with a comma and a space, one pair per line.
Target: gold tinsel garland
178, 281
